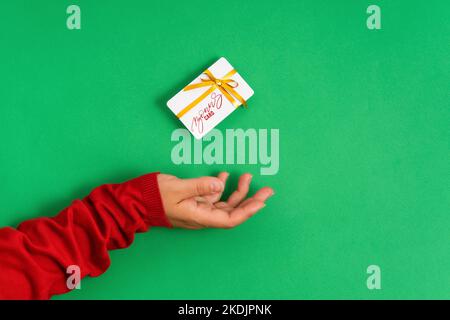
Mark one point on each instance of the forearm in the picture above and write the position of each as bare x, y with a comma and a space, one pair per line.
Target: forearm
34, 257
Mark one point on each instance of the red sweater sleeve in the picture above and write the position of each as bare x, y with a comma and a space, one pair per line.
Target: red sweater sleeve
35, 256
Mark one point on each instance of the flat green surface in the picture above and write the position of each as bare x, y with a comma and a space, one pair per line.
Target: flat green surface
364, 138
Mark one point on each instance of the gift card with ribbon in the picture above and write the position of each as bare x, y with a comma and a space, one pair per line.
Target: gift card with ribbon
210, 98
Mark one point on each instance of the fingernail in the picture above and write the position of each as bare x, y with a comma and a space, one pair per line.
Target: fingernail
216, 186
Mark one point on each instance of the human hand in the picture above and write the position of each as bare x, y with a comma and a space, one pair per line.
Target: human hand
195, 203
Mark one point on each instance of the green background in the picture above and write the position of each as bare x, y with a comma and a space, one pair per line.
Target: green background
364, 139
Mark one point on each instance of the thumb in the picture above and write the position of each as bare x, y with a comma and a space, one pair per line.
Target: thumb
201, 186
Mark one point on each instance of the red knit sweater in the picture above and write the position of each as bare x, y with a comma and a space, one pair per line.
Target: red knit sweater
35, 256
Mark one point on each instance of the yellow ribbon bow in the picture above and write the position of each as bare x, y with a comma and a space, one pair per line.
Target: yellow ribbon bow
225, 85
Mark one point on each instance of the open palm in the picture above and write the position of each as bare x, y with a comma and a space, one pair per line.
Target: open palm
195, 203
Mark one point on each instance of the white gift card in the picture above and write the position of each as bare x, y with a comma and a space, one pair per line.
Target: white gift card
210, 98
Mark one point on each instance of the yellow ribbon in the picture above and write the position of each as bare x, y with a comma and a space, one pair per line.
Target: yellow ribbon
225, 85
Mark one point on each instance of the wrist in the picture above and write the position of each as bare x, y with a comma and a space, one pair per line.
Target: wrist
151, 197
